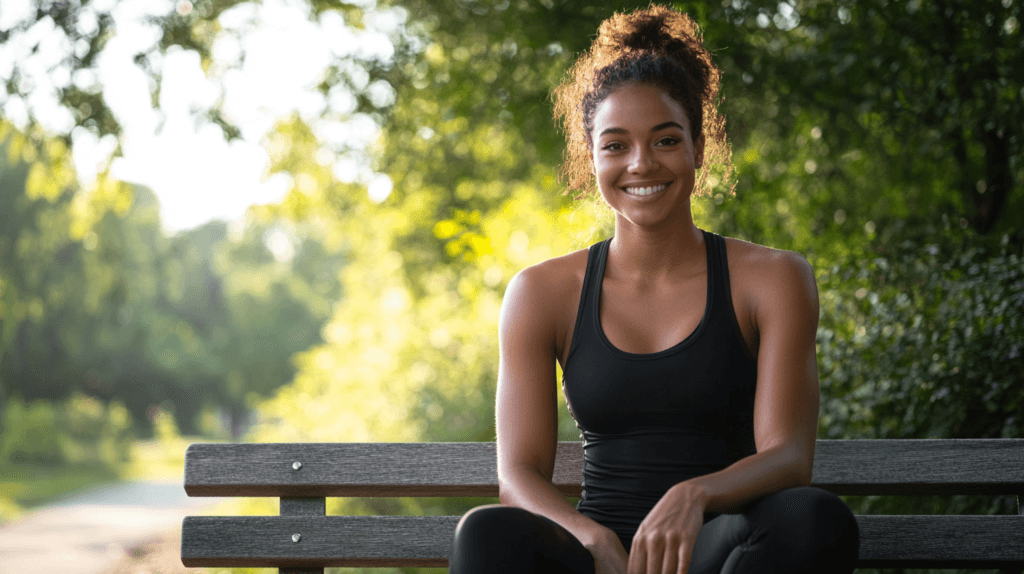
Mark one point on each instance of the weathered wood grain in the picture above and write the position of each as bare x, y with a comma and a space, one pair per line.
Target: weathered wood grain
312, 507
939, 466
907, 541
303, 506
358, 469
923, 466
325, 541
946, 541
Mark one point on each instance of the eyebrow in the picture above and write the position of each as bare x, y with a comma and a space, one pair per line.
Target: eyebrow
659, 127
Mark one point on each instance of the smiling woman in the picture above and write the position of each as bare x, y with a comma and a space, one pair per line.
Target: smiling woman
644, 151
688, 358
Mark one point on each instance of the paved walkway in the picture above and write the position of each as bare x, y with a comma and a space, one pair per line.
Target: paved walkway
90, 531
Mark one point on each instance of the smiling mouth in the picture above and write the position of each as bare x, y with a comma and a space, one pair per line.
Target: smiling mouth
645, 190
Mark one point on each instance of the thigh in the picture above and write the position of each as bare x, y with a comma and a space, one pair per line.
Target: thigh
802, 529
499, 539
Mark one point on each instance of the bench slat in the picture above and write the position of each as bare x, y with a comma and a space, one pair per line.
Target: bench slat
920, 466
341, 469
353, 541
367, 541
902, 466
946, 541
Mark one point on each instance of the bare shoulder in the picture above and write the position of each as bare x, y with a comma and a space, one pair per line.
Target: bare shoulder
553, 274
547, 293
766, 262
765, 276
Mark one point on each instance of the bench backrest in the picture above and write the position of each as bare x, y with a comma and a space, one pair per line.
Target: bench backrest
303, 474
929, 466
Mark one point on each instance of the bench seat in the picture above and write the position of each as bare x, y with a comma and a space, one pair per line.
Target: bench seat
302, 475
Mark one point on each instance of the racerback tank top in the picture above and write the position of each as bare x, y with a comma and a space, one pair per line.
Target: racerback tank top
652, 420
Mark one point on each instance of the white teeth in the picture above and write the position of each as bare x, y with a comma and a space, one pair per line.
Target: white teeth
646, 190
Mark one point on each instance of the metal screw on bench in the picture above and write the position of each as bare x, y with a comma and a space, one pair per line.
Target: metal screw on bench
296, 537
296, 465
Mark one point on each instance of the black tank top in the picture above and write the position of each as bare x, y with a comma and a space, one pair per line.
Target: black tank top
652, 420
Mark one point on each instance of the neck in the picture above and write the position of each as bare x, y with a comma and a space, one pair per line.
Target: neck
635, 251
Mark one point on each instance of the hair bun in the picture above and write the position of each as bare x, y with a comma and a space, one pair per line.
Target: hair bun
649, 33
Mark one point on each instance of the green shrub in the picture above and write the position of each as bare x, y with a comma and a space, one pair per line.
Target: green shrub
96, 432
81, 430
924, 340
31, 434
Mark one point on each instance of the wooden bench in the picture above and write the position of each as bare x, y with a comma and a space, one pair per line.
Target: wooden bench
302, 539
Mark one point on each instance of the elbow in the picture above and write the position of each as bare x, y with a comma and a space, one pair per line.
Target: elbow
507, 484
504, 490
515, 483
504, 494
803, 477
793, 476
803, 468
795, 466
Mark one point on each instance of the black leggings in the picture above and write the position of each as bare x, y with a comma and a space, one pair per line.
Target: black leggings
798, 530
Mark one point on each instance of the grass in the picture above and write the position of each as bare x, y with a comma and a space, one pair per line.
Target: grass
33, 485
26, 486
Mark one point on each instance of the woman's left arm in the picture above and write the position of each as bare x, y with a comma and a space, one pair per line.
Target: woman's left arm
786, 401
785, 311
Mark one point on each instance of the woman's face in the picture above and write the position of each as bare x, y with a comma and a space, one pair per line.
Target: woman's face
643, 155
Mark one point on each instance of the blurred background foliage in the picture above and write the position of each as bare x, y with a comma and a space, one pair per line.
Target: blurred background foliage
880, 139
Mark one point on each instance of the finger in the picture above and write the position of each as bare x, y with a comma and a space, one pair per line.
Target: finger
653, 562
685, 554
655, 555
670, 557
637, 557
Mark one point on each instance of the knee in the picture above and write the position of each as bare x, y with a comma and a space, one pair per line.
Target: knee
492, 539
811, 508
487, 522
817, 518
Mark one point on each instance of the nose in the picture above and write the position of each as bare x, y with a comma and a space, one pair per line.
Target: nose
642, 160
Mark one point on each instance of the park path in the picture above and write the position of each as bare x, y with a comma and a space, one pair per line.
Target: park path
90, 531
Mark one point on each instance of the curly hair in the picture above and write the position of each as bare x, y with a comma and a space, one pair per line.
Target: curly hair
656, 46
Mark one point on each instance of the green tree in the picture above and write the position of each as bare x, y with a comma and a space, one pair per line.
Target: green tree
97, 300
894, 88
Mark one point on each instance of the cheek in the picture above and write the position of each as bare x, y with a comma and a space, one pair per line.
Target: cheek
603, 173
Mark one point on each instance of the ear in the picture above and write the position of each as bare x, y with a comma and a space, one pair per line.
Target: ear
698, 152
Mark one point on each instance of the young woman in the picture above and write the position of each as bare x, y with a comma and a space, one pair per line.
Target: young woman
688, 359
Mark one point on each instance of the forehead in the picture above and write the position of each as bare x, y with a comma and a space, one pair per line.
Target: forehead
638, 108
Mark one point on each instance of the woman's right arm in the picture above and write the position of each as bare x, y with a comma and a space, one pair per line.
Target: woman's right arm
526, 411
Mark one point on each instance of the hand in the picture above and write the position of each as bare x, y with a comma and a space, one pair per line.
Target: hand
609, 555
664, 542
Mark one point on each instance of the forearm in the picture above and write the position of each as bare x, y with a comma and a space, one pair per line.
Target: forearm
524, 487
752, 477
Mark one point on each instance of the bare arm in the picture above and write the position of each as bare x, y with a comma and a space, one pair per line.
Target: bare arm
526, 411
786, 402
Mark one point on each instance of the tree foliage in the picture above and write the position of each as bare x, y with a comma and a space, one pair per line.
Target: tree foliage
927, 337
96, 299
